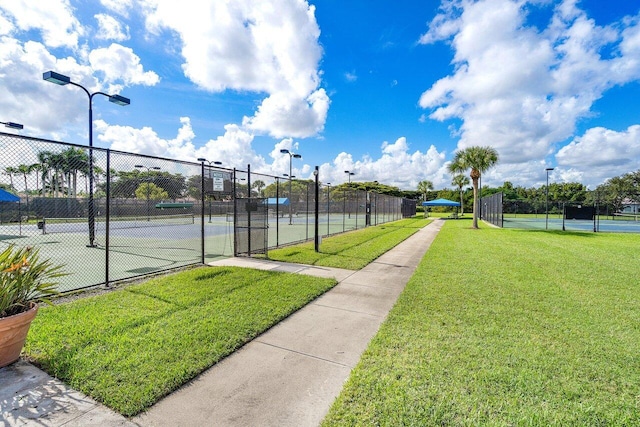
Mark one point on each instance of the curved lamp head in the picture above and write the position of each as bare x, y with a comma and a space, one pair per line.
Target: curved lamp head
57, 78
12, 125
119, 100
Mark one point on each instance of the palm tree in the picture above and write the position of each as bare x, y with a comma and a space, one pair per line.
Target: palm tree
10, 170
56, 162
37, 168
25, 170
479, 160
424, 187
98, 172
44, 159
75, 160
460, 181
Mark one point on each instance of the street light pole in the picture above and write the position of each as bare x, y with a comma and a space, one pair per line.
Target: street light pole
148, 185
546, 209
349, 174
212, 162
291, 157
328, 206
316, 233
62, 80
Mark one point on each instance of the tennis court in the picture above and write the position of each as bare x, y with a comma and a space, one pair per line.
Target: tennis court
163, 213
133, 249
141, 245
555, 222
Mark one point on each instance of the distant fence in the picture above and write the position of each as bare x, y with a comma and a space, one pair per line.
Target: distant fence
109, 215
538, 214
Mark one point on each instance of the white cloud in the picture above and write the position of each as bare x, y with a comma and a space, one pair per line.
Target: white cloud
351, 76
602, 153
265, 47
147, 141
30, 100
6, 27
520, 89
628, 65
120, 64
444, 24
282, 116
121, 7
233, 148
54, 19
110, 28
397, 166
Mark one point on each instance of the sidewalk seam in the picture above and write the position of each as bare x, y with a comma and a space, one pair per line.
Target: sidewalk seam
303, 354
347, 311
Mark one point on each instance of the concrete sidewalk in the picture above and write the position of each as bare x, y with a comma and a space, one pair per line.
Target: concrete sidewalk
288, 376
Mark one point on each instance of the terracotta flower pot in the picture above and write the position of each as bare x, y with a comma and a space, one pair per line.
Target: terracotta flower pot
13, 334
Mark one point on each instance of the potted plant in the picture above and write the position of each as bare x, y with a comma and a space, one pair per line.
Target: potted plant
24, 280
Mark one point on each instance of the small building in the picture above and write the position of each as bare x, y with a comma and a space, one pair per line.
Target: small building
630, 206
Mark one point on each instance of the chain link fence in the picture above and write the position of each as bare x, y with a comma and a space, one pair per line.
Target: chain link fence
541, 214
109, 215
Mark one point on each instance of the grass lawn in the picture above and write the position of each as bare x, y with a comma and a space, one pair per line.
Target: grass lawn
129, 348
507, 327
352, 250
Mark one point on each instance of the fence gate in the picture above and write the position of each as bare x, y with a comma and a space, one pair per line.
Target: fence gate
251, 227
491, 209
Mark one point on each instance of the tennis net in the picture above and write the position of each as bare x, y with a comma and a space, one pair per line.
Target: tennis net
79, 225
626, 216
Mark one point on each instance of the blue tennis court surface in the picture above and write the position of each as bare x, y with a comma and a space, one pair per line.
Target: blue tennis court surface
602, 225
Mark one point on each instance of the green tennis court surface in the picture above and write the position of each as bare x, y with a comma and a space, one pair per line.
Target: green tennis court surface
138, 246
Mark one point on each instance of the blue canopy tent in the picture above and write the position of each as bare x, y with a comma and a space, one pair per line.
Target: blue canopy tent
6, 197
274, 204
282, 201
442, 202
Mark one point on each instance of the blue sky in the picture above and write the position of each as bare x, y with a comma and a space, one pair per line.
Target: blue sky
388, 90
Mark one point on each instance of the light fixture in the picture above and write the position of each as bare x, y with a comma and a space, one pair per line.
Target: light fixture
53, 77
12, 125
291, 157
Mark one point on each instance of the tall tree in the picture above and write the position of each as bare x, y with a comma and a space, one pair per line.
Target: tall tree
258, 184
10, 170
43, 158
25, 170
75, 160
424, 187
57, 163
37, 168
479, 160
151, 191
460, 181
